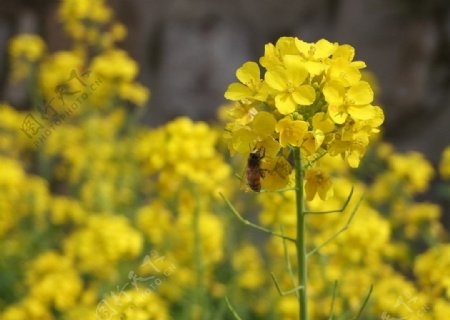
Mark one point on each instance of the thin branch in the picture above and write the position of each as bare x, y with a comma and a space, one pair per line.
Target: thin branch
250, 224
281, 292
332, 301
345, 227
230, 307
288, 261
335, 210
310, 163
364, 303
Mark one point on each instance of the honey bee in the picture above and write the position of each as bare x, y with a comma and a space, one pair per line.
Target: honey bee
254, 172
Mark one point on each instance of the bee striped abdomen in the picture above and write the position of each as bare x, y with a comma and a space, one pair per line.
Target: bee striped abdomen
254, 171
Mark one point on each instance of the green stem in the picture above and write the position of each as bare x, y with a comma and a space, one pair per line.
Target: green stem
300, 240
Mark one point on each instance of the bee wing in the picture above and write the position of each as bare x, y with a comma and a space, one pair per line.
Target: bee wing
243, 180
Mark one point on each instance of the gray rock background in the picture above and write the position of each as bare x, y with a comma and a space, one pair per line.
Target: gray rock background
188, 51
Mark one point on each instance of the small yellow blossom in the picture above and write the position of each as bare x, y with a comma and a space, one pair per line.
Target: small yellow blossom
291, 131
251, 85
289, 85
28, 46
354, 101
414, 168
317, 181
25, 50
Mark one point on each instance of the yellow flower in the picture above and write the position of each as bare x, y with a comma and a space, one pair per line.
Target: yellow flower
133, 304
53, 280
248, 263
288, 85
414, 169
317, 181
342, 69
251, 86
116, 65
55, 73
28, 46
264, 124
444, 167
291, 131
82, 19
315, 54
313, 141
134, 92
432, 268
314, 94
322, 125
99, 245
276, 172
320, 121
24, 51
354, 101
274, 54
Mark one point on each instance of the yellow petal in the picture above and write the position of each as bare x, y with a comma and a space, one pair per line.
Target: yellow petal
304, 95
366, 112
284, 103
264, 123
334, 93
324, 49
248, 73
296, 72
337, 114
345, 51
315, 68
275, 80
237, 91
243, 139
353, 159
320, 121
360, 94
310, 190
303, 47
378, 118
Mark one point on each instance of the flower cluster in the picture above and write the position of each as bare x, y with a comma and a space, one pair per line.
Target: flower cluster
25, 50
86, 21
311, 96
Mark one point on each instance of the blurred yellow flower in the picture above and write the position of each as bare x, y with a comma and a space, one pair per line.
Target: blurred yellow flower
25, 50
317, 181
444, 166
27, 46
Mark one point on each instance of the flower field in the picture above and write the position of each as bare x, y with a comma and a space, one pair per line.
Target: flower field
289, 206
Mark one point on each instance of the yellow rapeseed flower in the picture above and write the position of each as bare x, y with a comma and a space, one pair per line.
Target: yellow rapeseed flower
27, 46
291, 131
289, 87
314, 93
317, 181
25, 50
251, 85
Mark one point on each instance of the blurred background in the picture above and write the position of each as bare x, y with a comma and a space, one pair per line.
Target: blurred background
188, 51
